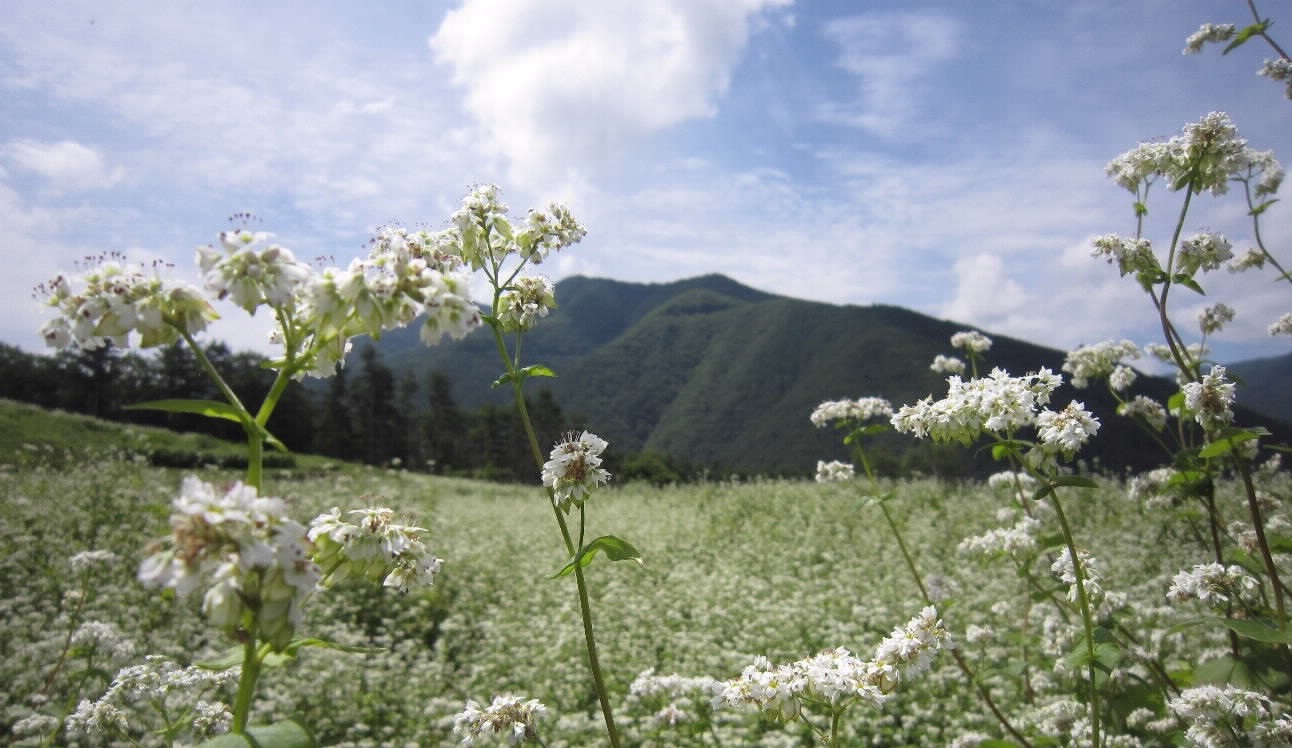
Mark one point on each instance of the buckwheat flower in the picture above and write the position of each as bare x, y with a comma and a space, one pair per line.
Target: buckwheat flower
850, 411
1131, 255
1283, 326
547, 232
1212, 584
1067, 430
834, 471
1219, 716
647, 684
772, 689
95, 718
1279, 69
211, 718
1208, 33
908, 650
1264, 164
90, 560
1019, 541
525, 301
1205, 252
36, 724
1214, 318
1099, 360
998, 403
573, 470
1151, 411
103, 637
1140, 165
373, 547
670, 716
114, 299
1210, 152
1093, 582
250, 272
1121, 378
1253, 258
1209, 400
971, 341
947, 365
507, 715
1162, 352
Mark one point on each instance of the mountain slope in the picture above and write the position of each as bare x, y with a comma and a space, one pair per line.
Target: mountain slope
713, 372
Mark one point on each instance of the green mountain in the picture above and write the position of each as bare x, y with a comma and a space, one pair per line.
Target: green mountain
1263, 385
710, 371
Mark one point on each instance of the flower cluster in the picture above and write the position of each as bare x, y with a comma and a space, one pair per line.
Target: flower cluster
836, 676
1278, 69
1229, 716
850, 411
971, 341
115, 298
374, 547
947, 365
1208, 33
163, 684
998, 403
244, 550
485, 237
507, 715
672, 691
1099, 360
1131, 255
1214, 318
527, 299
250, 271
573, 470
1212, 584
1283, 326
1203, 158
1210, 399
1145, 408
1067, 430
1205, 252
1019, 541
834, 471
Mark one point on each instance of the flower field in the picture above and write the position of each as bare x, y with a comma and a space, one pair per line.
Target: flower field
730, 572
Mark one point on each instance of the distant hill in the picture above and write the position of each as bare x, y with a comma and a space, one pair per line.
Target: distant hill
1264, 385
711, 371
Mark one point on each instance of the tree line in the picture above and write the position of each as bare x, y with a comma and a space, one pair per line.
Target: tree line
363, 414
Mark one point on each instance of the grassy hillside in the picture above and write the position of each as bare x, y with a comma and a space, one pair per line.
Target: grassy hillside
30, 434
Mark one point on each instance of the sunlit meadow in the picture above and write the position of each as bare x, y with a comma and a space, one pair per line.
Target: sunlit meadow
340, 606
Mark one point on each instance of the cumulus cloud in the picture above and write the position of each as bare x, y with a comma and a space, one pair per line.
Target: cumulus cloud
565, 87
65, 166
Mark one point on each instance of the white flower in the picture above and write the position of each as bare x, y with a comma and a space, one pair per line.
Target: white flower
1067, 430
947, 365
833, 471
1208, 32
1205, 252
507, 715
1100, 360
1153, 412
1212, 584
1214, 318
971, 341
574, 470
527, 299
1131, 255
1210, 399
850, 411
1279, 69
1283, 326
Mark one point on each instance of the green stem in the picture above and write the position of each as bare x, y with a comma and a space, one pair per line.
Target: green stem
255, 443
585, 607
251, 659
1258, 524
1087, 619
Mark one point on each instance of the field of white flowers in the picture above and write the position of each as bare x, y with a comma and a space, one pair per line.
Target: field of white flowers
731, 571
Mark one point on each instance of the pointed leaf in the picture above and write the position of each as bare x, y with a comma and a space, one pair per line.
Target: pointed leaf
1261, 630
230, 658
1242, 36
1259, 209
615, 549
289, 653
1074, 481
537, 370
208, 408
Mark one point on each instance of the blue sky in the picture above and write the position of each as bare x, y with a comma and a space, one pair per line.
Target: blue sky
943, 156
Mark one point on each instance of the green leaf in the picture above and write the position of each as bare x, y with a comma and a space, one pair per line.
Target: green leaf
1141, 209
1242, 36
615, 549
1074, 481
289, 653
1189, 283
535, 370
208, 408
225, 661
285, 734
1257, 629
1227, 440
1259, 209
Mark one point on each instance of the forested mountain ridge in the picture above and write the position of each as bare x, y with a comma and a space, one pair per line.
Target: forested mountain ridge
712, 371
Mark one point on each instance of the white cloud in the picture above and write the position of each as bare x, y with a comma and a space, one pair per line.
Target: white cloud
984, 291
890, 55
564, 88
65, 166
